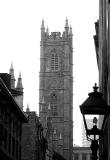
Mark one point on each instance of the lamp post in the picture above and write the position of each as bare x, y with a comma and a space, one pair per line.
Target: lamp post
94, 106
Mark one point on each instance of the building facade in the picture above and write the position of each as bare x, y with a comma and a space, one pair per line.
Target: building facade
11, 119
102, 44
82, 153
56, 89
33, 143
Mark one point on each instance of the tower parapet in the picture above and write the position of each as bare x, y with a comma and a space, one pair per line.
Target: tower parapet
56, 36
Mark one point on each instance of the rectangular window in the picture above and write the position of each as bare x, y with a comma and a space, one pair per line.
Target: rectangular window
54, 62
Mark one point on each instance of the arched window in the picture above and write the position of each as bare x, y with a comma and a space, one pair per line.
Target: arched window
54, 62
54, 104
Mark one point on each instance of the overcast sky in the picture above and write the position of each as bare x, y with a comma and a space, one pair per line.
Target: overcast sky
20, 23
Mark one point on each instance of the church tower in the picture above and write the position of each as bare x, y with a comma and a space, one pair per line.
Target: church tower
56, 89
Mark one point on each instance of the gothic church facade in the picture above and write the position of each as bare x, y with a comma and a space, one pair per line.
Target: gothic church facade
56, 89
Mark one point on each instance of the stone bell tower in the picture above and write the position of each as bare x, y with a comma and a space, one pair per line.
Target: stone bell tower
56, 89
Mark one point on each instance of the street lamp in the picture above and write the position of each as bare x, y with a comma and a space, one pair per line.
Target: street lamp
94, 106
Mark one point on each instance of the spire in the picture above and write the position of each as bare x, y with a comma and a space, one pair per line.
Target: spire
70, 33
27, 109
19, 83
42, 30
66, 28
66, 23
11, 66
55, 134
71, 30
60, 140
47, 31
60, 143
42, 26
60, 137
49, 107
49, 110
11, 72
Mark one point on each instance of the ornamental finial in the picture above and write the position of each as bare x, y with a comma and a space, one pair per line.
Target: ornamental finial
95, 87
95, 120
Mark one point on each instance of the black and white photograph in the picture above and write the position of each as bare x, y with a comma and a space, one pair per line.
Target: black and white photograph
54, 80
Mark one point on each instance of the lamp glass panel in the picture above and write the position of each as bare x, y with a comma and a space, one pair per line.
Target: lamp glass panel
89, 121
90, 124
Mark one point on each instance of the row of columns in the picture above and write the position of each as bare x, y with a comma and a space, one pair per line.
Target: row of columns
88, 156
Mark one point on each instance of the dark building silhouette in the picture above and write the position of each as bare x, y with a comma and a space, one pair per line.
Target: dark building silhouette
102, 45
11, 119
33, 143
56, 90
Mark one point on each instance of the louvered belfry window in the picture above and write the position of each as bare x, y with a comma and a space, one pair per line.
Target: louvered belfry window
54, 104
54, 62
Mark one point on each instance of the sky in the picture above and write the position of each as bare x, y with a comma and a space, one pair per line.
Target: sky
20, 23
